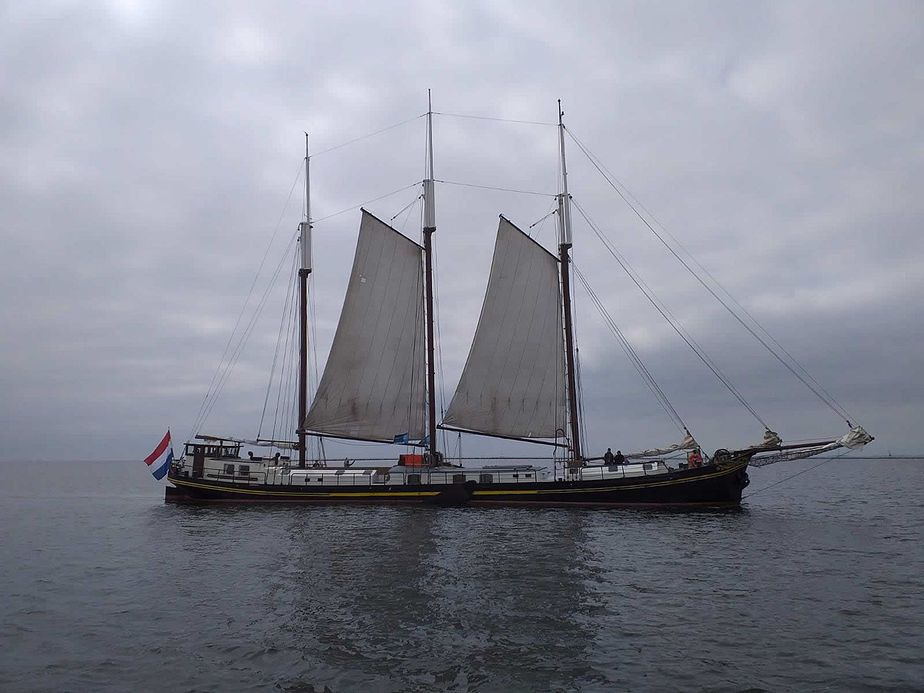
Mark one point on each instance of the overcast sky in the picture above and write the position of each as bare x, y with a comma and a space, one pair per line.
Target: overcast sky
148, 151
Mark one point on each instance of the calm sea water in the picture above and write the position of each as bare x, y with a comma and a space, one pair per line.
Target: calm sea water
815, 584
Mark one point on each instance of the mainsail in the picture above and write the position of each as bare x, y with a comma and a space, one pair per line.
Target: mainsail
513, 381
373, 387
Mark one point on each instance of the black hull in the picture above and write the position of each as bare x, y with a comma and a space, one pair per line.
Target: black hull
711, 485
694, 487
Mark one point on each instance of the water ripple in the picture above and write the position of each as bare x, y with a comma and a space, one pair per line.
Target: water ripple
803, 588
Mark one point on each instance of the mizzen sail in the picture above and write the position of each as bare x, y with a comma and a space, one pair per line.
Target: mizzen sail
373, 387
513, 381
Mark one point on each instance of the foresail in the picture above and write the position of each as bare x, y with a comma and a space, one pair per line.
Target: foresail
513, 381
373, 385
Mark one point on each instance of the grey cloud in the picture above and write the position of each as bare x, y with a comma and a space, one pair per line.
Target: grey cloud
147, 151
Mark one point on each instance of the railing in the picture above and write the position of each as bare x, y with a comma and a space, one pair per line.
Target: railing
655, 467
354, 477
326, 477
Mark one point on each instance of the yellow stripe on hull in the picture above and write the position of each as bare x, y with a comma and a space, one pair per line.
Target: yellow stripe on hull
300, 494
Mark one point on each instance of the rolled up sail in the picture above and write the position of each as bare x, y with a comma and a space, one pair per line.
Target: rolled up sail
513, 381
855, 438
374, 387
688, 443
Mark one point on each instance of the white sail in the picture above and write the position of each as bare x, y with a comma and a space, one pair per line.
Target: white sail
373, 386
513, 381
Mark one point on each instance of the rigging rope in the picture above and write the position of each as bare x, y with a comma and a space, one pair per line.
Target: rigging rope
285, 326
287, 377
554, 210
216, 376
498, 120
492, 187
578, 384
288, 391
406, 208
444, 445
286, 424
367, 136
793, 366
630, 351
793, 476
235, 354
314, 371
666, 314
361, 204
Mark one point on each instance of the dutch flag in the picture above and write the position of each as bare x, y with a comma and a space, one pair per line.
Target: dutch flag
159, 460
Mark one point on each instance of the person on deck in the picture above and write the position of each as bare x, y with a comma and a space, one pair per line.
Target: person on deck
608, 457
619, 459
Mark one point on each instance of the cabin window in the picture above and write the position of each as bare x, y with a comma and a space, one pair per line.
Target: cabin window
486, 478
229, 469
413, 479
646, 466
243, 469
516, 476
529, 476
460, 478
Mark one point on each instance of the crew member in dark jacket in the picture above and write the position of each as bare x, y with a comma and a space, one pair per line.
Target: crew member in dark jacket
619, 459
608, 457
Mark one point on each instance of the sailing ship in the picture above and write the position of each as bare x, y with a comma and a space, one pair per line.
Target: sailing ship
519, 383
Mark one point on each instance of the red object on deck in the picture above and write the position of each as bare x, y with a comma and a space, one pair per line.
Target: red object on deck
411, 460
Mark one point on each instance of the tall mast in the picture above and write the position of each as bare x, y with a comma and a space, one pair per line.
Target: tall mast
303, 272
429, 229
564, 246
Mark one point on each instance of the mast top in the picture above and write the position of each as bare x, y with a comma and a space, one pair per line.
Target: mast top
429, 201
564, 199
305, 226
